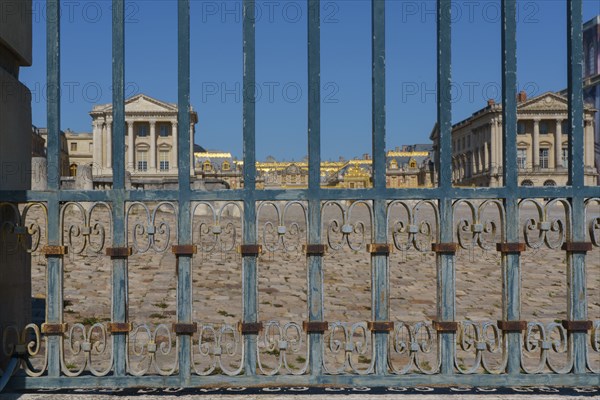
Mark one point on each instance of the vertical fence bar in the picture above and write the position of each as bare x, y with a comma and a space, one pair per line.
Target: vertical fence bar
54, 303
511, 270
314, 261
379, 261
249, 278
184, 149
119, 276
577, 302
445, 260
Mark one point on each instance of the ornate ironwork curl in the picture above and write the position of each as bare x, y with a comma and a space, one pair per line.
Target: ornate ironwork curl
210, 237
85, 228
593, 220
282, 234
346, 228
151, 350
282, 341
538, 337
483, 338
27, 342
29, 235
89, 345
595, 346
419, 233
412, 342
477, 230
356, 341
538, 229
152, 229
215, 343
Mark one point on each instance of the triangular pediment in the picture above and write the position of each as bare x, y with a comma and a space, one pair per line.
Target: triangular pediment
141, 103
549, 101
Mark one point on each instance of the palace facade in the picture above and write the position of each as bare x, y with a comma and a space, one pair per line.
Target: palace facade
150, 142
542, 143
408, 166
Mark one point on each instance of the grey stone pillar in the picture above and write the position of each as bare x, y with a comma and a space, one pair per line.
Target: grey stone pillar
83, 179
15, 159
39, 173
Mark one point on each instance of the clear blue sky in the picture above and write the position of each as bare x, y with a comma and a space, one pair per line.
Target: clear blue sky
151, 66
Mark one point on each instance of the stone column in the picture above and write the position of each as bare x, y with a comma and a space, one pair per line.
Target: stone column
152, 146
174, 150
536, 144
130, 147
486, 160
588, 137
558, 144
191, 148
109, 144
494, 144
97, 145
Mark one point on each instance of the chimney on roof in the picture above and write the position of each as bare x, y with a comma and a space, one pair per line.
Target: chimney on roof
522, 96
366, 156
491, 102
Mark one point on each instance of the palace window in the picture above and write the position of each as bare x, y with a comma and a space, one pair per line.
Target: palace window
565, 157
142, 161
527, 182
522, 158
565, 127
73, 146
544, 158
73, 169
207, 166
142, 131
163, 160
591, 67
544, 127
520, 128
225, 166
164, 130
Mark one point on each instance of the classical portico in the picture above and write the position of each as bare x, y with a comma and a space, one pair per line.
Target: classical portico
150, 138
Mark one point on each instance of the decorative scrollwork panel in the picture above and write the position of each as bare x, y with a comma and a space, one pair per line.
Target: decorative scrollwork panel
86, 348
546, 348
217, 349
152, 350
348, 348
413, 348
481, 346
282, 349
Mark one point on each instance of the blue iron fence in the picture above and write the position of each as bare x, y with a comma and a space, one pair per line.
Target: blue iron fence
255, 351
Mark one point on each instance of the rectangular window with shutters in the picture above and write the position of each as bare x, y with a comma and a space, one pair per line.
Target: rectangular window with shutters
142, 161
164, 160
544, 158
522, 158
565, 158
